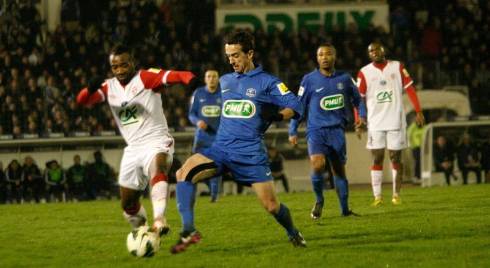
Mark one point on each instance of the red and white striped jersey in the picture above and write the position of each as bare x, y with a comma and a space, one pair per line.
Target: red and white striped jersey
382, 86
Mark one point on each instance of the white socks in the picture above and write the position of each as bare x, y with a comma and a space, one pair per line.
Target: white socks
159, 193
376, 181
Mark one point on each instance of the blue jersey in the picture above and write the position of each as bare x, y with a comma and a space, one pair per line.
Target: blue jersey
324, 99
244, 96
205, 106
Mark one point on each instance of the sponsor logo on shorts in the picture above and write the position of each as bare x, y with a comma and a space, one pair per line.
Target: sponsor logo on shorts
238, 109
210, 111
332, 102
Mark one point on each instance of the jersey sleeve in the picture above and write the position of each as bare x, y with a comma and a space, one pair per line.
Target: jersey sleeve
154, 78
304, 99
194, 109
281, 96
406, 79
84, 98
356, 97
361, 84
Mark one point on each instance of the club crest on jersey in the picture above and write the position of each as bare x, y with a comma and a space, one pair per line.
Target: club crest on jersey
332, 102
340, 86
382, 82
283, 88
251, 92
238, 109
210, 111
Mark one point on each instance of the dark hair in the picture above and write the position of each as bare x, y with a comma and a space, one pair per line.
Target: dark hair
241, 37
328, 45
120, 49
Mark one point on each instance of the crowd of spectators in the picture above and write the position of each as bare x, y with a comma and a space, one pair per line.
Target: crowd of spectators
28, 182
441, 42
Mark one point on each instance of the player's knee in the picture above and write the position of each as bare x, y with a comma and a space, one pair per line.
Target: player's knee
317, 166
202, 172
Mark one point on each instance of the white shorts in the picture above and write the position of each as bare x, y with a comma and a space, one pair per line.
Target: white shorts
135, 164
390, 139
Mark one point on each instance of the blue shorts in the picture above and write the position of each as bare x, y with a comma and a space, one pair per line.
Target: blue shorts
329, 142
245, 169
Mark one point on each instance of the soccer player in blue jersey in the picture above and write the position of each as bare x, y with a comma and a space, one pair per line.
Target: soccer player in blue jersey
204, 113
324, 93
249, 96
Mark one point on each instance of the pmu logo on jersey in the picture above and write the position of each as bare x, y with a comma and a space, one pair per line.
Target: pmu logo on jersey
332, 102
210, 111
128, 115
238, 109
251, 92
384, 96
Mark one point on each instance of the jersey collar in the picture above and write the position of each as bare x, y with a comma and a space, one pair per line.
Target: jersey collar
253, 72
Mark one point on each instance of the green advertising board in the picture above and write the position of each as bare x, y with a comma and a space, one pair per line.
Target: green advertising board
293, 18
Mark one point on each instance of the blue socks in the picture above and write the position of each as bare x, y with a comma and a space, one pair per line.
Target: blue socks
283, 217
186, 192
213, 185
318, 182
342, 188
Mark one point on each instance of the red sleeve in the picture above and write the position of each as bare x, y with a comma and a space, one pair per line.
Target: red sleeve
361, 84
86, 99
413, 98
154, 78
356, 115
406, 79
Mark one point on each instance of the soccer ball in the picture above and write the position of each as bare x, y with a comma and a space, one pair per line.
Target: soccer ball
141, 242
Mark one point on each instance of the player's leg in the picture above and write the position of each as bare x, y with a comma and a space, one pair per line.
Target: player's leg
266, 194
158, 171
134, 212
196, 168
317, 164
397, 171
341, 184
213, 185
376, 143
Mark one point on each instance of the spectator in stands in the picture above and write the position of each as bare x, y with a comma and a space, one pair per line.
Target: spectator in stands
76, 177
276, 162
469, 158
3, 185
415, 135
13, 173
443, 154
33, 181
101, 177
55, 180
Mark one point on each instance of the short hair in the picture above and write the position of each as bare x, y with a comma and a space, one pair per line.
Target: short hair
241, 37
120, 49
330, 45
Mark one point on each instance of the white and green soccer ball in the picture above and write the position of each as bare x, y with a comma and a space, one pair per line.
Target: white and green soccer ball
141, 242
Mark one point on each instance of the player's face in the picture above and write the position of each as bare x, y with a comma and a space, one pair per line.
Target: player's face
122, 67
376, 52
325, 56
239, 60
211, 80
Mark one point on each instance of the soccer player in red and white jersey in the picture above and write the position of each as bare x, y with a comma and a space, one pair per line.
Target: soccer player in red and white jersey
134, 98
381, 84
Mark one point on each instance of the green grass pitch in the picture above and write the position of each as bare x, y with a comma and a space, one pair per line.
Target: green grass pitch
434, 227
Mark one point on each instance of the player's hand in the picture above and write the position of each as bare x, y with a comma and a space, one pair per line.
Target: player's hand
420, 119
202, 125
359, 127
271, 113
293, 140
95, 83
